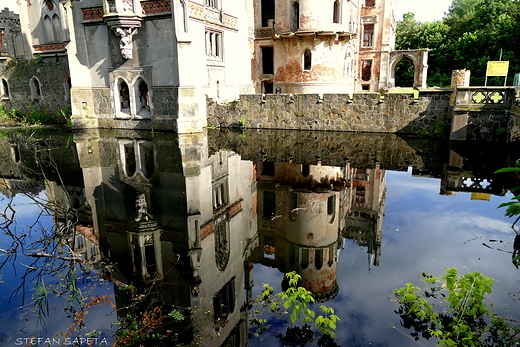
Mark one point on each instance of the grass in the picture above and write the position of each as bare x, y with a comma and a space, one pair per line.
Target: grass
15, 117
405, 90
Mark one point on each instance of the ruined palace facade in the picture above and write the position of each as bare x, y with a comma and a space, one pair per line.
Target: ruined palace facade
153, 64
333, 46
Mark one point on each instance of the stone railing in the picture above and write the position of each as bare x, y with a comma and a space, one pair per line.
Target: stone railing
484, 97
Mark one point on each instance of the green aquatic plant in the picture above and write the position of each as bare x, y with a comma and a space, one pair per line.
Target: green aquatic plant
453, 309
295, 301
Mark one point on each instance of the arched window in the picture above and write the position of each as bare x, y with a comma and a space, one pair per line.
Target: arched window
142, 98
5, 89
336, 17
183, 16
67, 86
48, 34
56, 28
124, 97
221, 243
307, 60
36, 91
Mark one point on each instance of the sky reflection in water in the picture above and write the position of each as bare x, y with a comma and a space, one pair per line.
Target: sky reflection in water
422, 231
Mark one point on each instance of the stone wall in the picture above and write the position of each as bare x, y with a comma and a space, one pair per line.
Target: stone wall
50, 72
361, 112
327, 148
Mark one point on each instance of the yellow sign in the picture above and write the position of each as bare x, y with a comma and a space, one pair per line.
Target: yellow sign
497, 68
480, 196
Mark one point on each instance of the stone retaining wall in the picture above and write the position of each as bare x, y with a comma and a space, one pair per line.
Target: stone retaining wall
51, 73
360, 112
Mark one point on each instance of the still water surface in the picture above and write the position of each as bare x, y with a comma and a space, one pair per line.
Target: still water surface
99, 227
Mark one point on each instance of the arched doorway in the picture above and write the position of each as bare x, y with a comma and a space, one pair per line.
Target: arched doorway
404, 73
412, 59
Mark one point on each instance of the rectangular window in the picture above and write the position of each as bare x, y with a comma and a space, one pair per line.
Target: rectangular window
269, 204
213, 45
295, 16
368, 35
370, 3
267, 61
267, 11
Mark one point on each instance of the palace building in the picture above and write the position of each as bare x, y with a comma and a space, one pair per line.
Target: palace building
154, 64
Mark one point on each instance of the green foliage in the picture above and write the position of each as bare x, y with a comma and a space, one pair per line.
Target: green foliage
296, 301
472, 33
177, 315
452, 309
439, 129
513, 206
35, 117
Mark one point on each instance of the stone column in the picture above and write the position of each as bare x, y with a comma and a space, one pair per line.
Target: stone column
459, 122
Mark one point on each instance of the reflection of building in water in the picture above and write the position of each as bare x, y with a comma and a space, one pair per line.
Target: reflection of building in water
459, 175
72, 218
299, 218
170, 216
364, 220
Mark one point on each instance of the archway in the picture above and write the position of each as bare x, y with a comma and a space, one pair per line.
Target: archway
419, 60
404, 73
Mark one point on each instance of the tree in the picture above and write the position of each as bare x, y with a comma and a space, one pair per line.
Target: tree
472, 33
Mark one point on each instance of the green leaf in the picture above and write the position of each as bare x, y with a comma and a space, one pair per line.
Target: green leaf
508, 169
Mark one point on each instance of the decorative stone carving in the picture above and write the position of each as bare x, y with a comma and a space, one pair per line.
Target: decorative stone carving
125, 43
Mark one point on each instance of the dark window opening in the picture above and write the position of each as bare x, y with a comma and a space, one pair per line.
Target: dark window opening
36, 90
368, 35
124, 96
337, 12
365, 87
295, 16
318, 258
147, 158
331, 204
224, 302
268, 168
267, 60
304, 260
267, 87
222, 249
306, 170
151, 266
292, 254
267, 11
130, 163
143, 94
307, 60
331, 256
5, 89
370, 3
269, 204
366, 69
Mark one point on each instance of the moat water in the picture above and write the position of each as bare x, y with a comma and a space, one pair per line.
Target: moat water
136, 238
